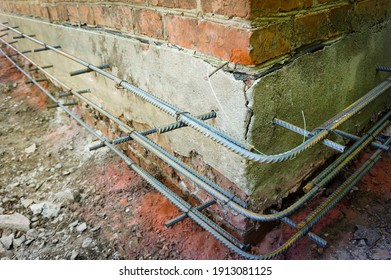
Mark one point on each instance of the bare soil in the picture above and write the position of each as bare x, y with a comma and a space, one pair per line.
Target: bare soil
96, 208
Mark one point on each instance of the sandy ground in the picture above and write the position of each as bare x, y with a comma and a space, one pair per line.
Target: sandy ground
89, 205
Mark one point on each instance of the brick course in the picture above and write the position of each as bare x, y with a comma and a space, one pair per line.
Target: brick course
247, 32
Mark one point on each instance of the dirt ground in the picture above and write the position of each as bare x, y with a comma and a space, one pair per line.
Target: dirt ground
89, 205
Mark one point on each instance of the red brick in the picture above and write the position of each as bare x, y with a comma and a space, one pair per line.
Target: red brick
149, 23
73, 14
210, 38
268, 7
310, 28
62, 13
127, 1
102, 15
53, 14
181, 4
341, 19
230, 8
86, 15
122, 18
271, 41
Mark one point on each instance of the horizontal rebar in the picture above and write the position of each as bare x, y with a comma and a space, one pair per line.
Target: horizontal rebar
64, 94
182, 217
338, 147
2, 35
87, 70
9, 28
161, 130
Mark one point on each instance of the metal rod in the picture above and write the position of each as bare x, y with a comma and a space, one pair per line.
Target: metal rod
64, 94
242, 149
8, 28
43, 67
12, 42
24, 52
22, 36
356, 138
383, 68
38, 80
182, 217
51, 106
6, 22
2, 35
161, 130
87, 70
307, 134
317, 239
45, 48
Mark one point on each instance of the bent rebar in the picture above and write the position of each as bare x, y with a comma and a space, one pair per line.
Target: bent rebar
242, 149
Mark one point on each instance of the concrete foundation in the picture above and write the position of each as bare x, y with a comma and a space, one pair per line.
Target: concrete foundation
316, 85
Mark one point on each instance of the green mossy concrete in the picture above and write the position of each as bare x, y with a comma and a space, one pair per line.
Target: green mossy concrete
320, 84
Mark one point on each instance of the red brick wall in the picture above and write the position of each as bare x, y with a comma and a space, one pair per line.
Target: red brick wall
248, 32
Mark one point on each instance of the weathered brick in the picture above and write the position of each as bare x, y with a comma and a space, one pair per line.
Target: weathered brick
62, 12
340, 19
102, 15
73, 14
149, 23
271, 41
268, 7
210, 38
310, 28
181, 4
86, 14
122, 18
53, 14
230, 8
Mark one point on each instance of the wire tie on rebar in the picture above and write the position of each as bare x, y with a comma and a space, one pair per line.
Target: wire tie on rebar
178, 114
119, 86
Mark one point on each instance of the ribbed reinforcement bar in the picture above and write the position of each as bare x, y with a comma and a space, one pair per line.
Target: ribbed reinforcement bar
87, 70
161, 130
338, 147
383, 68
356, 138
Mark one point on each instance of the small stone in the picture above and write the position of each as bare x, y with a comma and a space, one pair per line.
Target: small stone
26, 202
30, 149
58, 166
82, 227
7, 241
15, 221
362, 243
133, 243
74, 254
29, 241
66, 173
72, 225
64, 197
32, 234
46, 209
87, 242
94, 229
381, 254
19, 241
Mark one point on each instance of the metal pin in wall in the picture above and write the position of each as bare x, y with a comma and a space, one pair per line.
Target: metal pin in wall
64, 94
87, 70
38, 81
65, 104
43, 67
23, 36
46, 48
